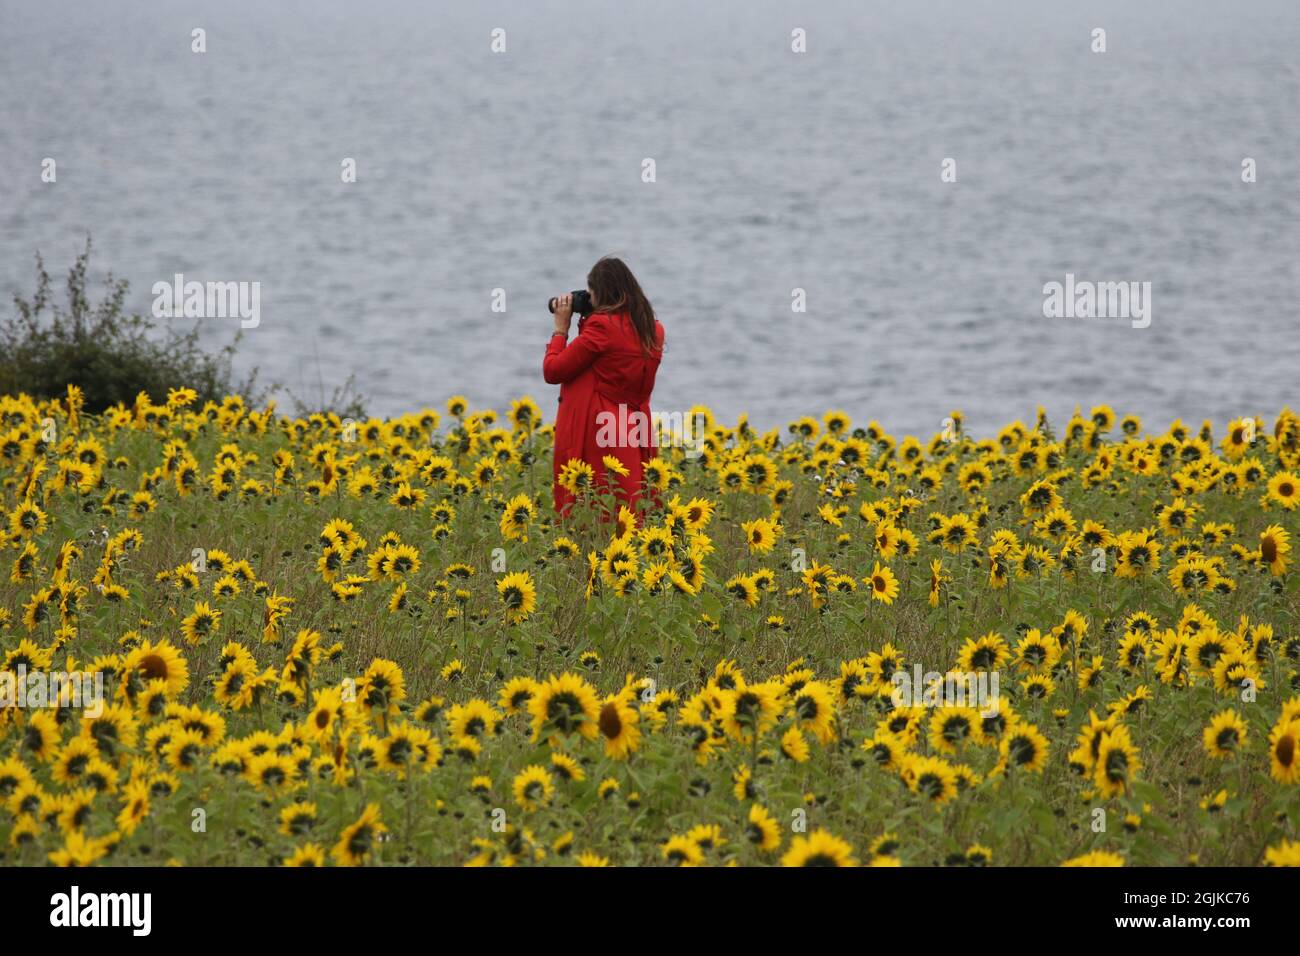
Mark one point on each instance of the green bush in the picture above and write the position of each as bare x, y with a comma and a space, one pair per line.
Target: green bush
111, 355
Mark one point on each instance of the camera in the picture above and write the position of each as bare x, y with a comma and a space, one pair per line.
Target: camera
581, 302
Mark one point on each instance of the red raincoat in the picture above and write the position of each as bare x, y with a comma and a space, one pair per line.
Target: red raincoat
605, 370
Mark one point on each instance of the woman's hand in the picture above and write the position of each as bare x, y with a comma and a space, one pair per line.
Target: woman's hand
563, 313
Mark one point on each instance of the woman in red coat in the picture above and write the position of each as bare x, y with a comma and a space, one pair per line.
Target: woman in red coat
606, 375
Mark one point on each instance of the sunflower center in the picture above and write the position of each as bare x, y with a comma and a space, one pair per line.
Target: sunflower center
611, 724
930, 784
1021, 750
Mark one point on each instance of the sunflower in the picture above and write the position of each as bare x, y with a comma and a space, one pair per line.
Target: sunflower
564, 547
931, 777
951, 727
24, 566
297, 819
696, 514
27, 520
565, 704
201, 623
615, 465
732, 478
987, 653
761, 534
1286, 853
1274, 547
1132, 703
1139, 554
1176, 517
519, 596
1096, 858
1036, 652
1284, 489
1205, 649
706, 836
817, 580
397, 601
408, 747
819, 848
238, 687
15, 776
515, 519
1192, 574
114, 727
887, 540
467, 749
855, 681
567, 768
762, 829
813, 707
884, 586
359, 839
231, 758
68, 766
977, 855
474, 718
453, 671
41, 736
618, 562
533, 788
38, 610
135, 806
393, 561
184, 750
381, 688
682, 851
1117, 762
655, 474
1171, 658
617, 722
655, 543
681, 584
79, 850
514, 696
1022, 747
1284, 751
1090, 672
1133, 651
1225, 734
937, 578
794, 746
974, 477
407, 498
576, 476
746, 588
752, 708
886, 749
27, 655
307, 855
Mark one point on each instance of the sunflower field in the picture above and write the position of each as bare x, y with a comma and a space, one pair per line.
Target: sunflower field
337, 642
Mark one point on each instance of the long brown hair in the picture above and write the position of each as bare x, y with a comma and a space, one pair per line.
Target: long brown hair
615, 289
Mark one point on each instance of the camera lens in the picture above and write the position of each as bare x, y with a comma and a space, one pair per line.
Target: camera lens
581, 302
